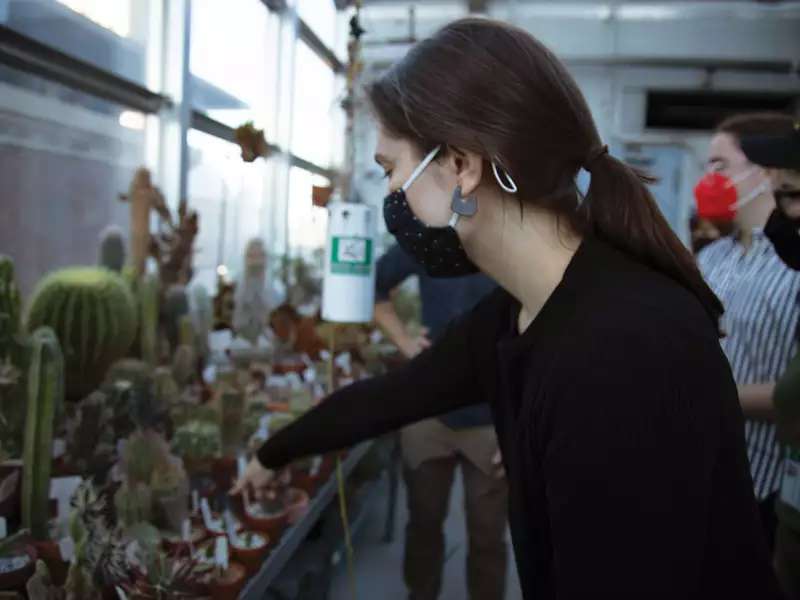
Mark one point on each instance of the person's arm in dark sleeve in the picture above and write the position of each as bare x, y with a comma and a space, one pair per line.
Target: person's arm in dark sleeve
628, 466
437, 381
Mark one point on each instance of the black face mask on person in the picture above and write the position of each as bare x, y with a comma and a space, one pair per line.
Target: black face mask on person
437, 249
783, 231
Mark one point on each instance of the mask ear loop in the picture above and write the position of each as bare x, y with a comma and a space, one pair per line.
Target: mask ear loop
422, 166
509, 187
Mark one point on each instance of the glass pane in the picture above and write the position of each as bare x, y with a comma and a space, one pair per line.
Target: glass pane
317, 97
307, 223
65, 157
321, 17
230, 198
234, 54
111, 34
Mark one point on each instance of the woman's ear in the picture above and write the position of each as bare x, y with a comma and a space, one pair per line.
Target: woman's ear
468, 168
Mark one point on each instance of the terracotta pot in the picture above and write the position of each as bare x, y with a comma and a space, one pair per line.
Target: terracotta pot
328, 466
50, 553
183, 548
16, 580
303, 480
251, 558
289, 367
273, 525
296, 504
230, 584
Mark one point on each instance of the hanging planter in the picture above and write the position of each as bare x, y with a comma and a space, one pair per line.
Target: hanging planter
321, 195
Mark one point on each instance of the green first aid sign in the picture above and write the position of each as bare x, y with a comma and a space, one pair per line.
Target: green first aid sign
351, 256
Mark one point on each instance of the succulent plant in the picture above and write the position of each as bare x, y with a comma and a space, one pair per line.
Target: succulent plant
176, 306
10, 303
147, 393
202, 312
45, 399
100, 551
90, 434
133, 503
93, 315
197, 440
41, 587
169, 578
111, 253
146, 464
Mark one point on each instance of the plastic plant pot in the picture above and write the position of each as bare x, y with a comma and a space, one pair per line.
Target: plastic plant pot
297, 502
271, 519
228, 585
17, 568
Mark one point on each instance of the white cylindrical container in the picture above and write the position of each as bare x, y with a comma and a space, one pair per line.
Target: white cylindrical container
348, 294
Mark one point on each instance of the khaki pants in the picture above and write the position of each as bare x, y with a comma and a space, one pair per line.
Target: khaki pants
432, 452
787, 561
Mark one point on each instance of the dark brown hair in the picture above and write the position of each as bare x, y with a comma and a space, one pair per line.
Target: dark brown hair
766, 123
493, 89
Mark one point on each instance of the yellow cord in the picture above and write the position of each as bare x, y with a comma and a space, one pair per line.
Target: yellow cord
348, 542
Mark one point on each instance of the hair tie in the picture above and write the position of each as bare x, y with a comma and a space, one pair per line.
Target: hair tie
593, 156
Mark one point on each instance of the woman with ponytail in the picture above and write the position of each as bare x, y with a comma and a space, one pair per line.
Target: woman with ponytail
621, 433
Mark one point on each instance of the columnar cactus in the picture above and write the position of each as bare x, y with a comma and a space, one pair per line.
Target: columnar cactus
93, 314
184, 360
176, 306
147, 291
202, 319
111, 253
45, 398
9, 307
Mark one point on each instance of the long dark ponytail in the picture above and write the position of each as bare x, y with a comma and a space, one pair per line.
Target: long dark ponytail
493, 89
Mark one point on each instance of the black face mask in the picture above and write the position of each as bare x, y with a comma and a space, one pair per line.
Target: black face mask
437, 249
784, 233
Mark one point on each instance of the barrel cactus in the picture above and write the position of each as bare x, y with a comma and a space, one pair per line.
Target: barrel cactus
45, 398
93, 314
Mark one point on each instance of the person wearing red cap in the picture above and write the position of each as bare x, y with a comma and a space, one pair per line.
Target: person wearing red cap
780, 156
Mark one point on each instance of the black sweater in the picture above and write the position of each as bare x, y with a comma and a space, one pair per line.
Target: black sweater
620, 428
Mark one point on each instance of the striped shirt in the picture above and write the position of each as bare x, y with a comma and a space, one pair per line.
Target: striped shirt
760, 295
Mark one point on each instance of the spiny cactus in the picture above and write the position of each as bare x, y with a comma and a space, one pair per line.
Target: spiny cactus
45, 397
134, 503
176, 306
111, 253
92, 312
184, 360
147, 464
232, 403
202, 318
9, 308
147, 291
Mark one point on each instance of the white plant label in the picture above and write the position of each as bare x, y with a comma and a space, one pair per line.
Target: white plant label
66, 547
205, 510
221, 552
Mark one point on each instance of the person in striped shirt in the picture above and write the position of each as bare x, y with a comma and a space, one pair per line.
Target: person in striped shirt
760, 295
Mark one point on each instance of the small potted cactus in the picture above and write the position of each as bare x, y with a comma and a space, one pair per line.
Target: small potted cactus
154, 483
226, 578
250, 549
269, 515
164, 577
198, 444
17, 562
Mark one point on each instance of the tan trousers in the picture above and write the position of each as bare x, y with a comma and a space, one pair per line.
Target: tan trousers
431, 453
